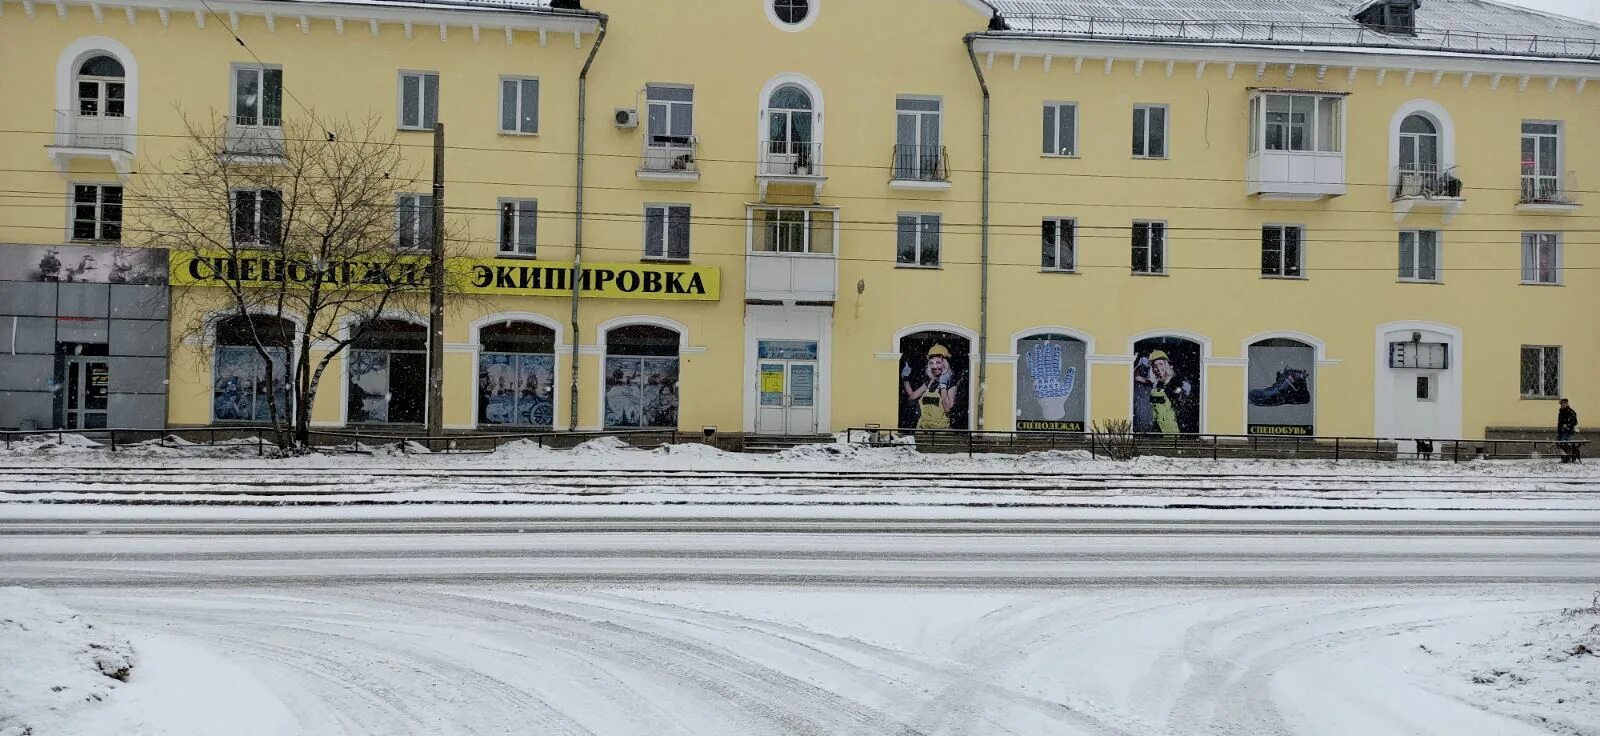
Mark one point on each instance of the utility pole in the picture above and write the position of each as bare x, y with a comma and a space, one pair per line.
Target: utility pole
436, 293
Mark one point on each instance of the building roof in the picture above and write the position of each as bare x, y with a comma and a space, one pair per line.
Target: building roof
1467, 26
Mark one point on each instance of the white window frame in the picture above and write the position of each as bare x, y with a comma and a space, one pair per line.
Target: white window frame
1555, 241
99, 211
1314, 137
1144, 134
1283, 261
422, 98
1069, 226
1560, 137
807, 223
261, 105
813, 7
233, 214
667, 108
423, 206
1153, 226
665, 245
520, 80
921, 220
1544, 355
516, 246
1055, 110
1415, 262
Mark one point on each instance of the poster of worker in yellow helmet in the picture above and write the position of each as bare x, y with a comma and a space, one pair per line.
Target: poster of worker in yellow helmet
1166, 386
934, 367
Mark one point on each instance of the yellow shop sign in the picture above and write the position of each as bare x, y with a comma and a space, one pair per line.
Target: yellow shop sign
669, 281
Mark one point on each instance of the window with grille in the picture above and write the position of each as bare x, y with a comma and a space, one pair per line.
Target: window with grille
1541, 371
97, 212
1541, 258
1282, 251
519, 227
666, 231
519, 105
1150, 131
1149, 247
414, 229
1419, 255
257, 218
917, 240
1058, 244
791, 11
419, 100
1061, 129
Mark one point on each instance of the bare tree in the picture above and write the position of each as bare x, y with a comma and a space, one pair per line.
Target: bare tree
298, 224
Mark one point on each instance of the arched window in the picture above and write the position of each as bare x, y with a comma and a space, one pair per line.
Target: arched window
244, 383
1281, 387
641, 377
516, 374
1052, 372
101, 88
1166, 385
790, 127
388, 376
1419, 145
933, 382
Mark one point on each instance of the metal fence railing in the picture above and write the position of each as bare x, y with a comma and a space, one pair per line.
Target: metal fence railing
264, 439
1426, 182
921, 163
1216, 446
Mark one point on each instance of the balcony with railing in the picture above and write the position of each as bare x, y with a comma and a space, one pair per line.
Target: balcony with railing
920, 167
1547, 192
104, 137
669, 158
253, 139
790, 162
1427, 186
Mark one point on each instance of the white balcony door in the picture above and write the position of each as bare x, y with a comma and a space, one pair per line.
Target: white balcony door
1541, 173
790, 128
916, 138
1419, 145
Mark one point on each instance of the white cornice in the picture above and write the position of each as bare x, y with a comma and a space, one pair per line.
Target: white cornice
1364, 58
458, 15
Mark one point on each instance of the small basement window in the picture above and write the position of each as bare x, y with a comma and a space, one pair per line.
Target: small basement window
1390, 16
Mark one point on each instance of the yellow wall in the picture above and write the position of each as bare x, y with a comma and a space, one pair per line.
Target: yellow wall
729, 50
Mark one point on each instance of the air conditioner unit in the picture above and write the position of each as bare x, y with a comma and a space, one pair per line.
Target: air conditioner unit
627, 117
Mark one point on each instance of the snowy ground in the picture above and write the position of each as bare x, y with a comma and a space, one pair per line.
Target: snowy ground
831, 590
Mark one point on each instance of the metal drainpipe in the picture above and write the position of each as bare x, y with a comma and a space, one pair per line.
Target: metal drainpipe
577, 237
983, 230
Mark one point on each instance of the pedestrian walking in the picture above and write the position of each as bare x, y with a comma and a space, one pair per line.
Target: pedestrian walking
1566, 428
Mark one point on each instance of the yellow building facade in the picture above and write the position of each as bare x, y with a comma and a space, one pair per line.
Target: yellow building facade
915, 213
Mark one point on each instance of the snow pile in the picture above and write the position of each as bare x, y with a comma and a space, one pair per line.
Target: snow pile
56, 663
607, 446
691, 451
1545, 672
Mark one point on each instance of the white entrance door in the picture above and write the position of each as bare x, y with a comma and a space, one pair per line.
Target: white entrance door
787, 397
1423, 401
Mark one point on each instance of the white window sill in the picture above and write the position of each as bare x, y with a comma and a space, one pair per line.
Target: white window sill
918, 267
1435, 282
1275, 277
520, 134
413, 129
1151, 273
1137, 157
1067, 271
1059, 155
1542, 283
1526, 397
662, 259
518, 256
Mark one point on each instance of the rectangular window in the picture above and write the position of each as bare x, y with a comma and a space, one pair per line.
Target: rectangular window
97, 212
793, 230
1060, 129
519, 105
1058, 244
1297, 122
666, 231
257, 96
1282, 251
1150, 131
670, 117
1149, 247
257, 218
415, 222
419, 100
917, 240
1541, 258
1541, 371
1541, 162
1419, 255
519, 227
